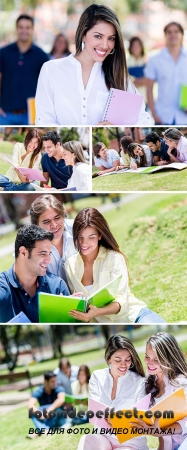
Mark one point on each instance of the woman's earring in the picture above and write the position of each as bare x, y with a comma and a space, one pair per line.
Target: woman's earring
82, 45
112, 52
131, 366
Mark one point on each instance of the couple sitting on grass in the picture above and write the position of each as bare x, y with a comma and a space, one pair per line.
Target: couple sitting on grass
53, 251
121, 385
64, 164
157, 151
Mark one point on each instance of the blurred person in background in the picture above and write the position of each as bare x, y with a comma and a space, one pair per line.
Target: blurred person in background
169, 69
66, 374
21, 62
60, 48
136, 64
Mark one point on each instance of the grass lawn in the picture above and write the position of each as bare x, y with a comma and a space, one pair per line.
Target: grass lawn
168, 180
6, 147
17, 424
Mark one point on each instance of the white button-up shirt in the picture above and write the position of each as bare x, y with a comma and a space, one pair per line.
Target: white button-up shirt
130, 389
170, 75
62, 99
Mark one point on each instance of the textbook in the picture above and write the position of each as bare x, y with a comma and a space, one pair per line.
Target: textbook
33, 174
20, 318
122, 107
56, 308
39, 188
183, 97
76, 399
174, 405
95, 406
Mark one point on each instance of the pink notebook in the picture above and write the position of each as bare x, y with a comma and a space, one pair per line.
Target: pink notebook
122, 107
33, 174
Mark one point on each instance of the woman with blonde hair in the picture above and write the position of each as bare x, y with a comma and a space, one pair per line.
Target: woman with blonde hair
167, 372
27, 154
73, 156
176, 140
75, 90
99, 260
119, 386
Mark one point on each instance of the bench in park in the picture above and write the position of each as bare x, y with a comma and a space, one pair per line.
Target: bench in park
14, 383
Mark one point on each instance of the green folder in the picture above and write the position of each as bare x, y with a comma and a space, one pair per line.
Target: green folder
76, 399
56, 308
183, 97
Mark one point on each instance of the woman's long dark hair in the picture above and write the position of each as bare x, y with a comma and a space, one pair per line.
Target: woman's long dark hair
118, 342
114, 66
91, 217
34, 133
143, 159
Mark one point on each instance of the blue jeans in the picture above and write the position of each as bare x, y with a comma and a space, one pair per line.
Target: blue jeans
9, 186
55, 422
147, 316
14, 119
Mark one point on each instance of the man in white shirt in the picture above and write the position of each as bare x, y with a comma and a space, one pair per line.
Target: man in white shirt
169, 69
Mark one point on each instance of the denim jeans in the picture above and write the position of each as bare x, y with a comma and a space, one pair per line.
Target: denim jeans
55, 422
147, 316
14, 119
9, 186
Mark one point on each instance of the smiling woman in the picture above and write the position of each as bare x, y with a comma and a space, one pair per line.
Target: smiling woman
74, 90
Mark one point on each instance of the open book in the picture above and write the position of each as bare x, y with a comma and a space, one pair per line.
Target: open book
122, 107
56, 308
172, 408
151, 169
33, 174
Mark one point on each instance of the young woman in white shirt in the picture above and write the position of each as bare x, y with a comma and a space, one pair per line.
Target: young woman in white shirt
74, 90
73, 156
27, 154
105, 160
167, 372
49, 213
118, 386
99, 260
140, 155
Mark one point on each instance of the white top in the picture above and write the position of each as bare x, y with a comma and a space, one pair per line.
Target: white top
169, 74
180, 381
182, 149
81, 177
112, 155
18, 151
148, 154
56, 265
62, 99
130, 389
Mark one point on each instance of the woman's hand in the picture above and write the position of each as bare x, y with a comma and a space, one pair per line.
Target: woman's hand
121, 167
23, 178
141, 424
100, 172
134, 166
85, 317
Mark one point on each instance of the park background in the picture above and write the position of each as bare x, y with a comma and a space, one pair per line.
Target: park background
150, 229
165, 180
38, 348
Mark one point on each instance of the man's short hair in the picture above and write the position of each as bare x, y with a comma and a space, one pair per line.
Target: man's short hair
64, 362
49, 374
28, 235
52, 136
178, 25
152, 137
25, 17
